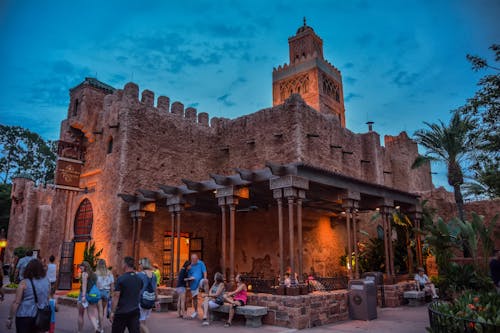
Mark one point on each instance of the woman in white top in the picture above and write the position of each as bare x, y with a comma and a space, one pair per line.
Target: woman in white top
105, 282
423, 282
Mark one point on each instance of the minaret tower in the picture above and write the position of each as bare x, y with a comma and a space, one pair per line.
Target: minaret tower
317, 81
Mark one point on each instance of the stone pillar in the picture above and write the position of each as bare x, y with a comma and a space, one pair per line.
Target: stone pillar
137, 217
232, 210
223, 240
355, 240
175, 206
172, 249
386, 212
280, 236
203, 118
191, 114
291, 187
178, 218
177, 108
163, 103
350, 202
148, 98
300, 242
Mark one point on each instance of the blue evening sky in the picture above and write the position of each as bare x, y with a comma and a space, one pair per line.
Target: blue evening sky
403, 62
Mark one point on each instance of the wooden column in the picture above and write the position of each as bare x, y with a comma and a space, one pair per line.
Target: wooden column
172, 248
386, 243
418, 243
280, 235
178, 217
391, 248
292, 238
223, 240
232, 210
355, 237
299, 236
349, 243
133, 237
138, 238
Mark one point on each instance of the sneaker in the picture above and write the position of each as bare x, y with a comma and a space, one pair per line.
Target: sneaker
194, 315
435, 297
205, 323
227, 324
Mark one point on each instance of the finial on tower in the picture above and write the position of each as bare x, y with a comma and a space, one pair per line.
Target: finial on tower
305, 21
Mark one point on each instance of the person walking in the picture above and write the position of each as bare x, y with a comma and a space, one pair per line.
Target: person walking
22, 263
88, 279
215, 297
24, 307
181, 289
148, 292
157, 273
236, 298
105, 282
125, 311
198, 279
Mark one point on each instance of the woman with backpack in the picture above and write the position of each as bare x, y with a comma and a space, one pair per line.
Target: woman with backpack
89, 297
148, 292
105, 282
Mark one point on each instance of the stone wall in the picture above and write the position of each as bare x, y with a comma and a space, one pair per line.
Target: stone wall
394, 293
299, 312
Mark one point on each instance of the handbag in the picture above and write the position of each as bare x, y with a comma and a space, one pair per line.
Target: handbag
219, 299
42, 318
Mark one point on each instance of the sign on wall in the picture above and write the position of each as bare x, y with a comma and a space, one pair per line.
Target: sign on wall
68, 173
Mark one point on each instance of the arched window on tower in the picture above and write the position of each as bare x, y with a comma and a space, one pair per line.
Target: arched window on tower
110, 145
75, 107
83, 221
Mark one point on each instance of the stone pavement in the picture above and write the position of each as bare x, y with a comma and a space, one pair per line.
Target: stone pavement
402, 319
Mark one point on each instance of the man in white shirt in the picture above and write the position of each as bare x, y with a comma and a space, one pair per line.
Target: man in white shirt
423, 282
52, 274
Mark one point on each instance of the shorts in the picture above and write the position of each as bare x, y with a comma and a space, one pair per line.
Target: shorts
180, 290
53, 287
196, 290
212, 305
104, 294
145, 313
239, 301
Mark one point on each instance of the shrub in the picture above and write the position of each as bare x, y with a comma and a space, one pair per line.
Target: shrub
73, 294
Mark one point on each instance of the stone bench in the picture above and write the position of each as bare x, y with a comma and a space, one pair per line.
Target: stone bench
164, 301
253, 314
414, 297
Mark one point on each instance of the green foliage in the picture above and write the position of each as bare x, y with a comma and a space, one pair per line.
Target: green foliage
440, 240
463, 277
372, 256
450, 144
472, 306
12, 285
91, 256
484, 109
20, 251
5, 201
25, 152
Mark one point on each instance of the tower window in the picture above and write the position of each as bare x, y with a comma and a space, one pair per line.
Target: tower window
75, 107
110, 145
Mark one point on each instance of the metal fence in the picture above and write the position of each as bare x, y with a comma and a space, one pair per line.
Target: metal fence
269, 286
445, 323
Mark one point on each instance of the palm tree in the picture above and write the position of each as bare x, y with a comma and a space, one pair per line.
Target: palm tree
449, 144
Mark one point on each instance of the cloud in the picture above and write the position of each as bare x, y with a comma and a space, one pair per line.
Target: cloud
52, 88
193, 105
350, 79
224, 99
352, 96
349, 65
364, 39
403, 78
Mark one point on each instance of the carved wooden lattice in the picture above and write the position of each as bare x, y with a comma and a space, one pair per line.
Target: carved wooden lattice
298, 85
330, 88
83, 221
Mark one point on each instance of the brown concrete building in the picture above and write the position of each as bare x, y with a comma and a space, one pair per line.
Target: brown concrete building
280, 188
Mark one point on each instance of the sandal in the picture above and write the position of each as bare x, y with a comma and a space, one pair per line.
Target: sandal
227, 324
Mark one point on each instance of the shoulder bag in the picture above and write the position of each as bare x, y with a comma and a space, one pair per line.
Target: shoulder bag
42, 318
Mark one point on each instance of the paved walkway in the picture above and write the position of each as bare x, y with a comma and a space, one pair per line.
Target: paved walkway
403, 319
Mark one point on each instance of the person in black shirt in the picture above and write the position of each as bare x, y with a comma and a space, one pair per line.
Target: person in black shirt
495, 270
126, 297
181, 289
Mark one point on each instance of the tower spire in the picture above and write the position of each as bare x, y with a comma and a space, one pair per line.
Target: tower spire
305, 21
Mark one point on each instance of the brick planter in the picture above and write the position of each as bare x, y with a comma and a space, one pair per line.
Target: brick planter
303, 311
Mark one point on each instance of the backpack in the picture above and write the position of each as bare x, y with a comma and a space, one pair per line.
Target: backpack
148, 296
93, 296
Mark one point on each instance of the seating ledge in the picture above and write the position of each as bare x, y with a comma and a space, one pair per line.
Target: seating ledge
246, 310
165, 299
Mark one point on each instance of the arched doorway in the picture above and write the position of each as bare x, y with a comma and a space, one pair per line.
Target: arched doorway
72, 252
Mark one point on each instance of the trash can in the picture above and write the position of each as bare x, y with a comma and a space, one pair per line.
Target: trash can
378, 278
362, 299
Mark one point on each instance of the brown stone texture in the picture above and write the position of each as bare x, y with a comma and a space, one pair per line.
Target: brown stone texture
299, 312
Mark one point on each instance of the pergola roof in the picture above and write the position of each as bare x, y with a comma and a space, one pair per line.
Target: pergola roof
326, 189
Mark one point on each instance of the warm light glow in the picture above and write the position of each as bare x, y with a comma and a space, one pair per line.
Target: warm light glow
377, 209
3, 243
244, 193
398, 207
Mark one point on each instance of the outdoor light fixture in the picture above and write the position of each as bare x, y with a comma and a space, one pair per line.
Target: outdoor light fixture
3, 243
398, 207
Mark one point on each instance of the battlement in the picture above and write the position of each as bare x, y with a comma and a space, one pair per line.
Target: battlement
130, 94
305, 63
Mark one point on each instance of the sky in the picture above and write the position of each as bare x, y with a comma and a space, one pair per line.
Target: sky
402, 62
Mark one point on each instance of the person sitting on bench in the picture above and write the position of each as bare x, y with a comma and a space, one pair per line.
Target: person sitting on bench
236, 298
423, 282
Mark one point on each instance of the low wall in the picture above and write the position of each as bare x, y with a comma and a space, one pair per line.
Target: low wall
299, 312
393, 293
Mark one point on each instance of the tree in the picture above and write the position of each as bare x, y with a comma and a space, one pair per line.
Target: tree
5, 201
23, 151
484, 109
448, 144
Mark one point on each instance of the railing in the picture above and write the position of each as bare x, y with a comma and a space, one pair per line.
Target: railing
269, 286
445, 323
